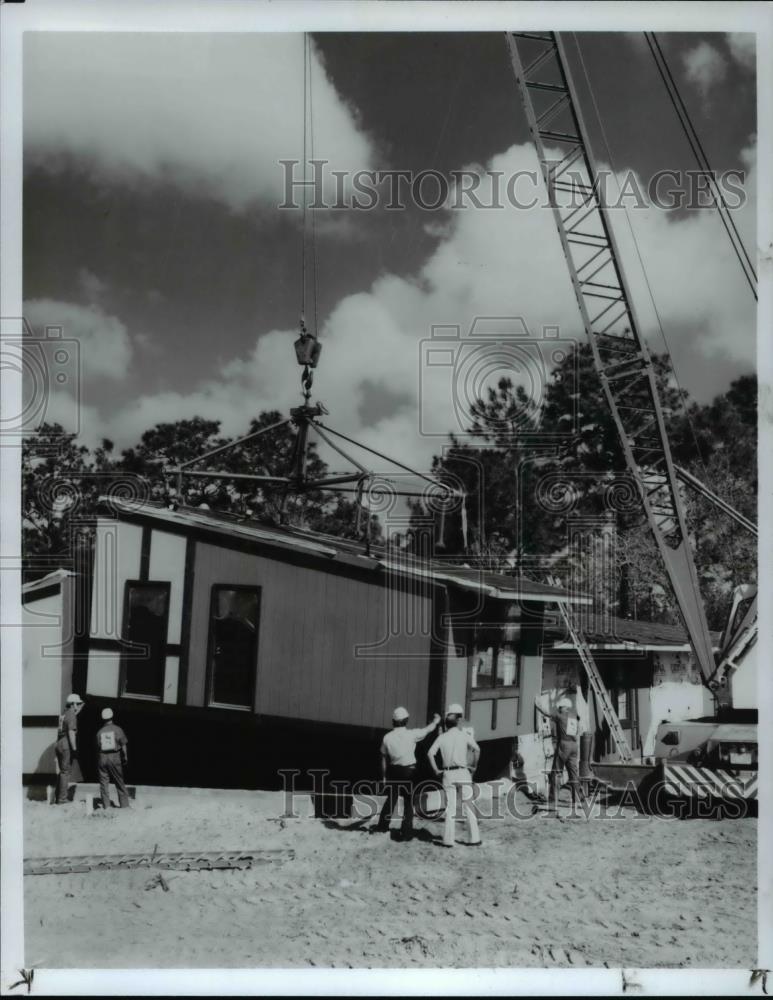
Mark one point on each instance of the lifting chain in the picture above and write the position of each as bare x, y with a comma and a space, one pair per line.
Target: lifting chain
307, 380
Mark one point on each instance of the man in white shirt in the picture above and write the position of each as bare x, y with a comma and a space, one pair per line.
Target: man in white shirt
566, 721
398, 764
453, 746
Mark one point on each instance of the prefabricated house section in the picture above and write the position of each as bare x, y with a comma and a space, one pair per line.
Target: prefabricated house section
48, 649
229, 650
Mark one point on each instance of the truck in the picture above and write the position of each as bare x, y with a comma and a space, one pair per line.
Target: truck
716, 761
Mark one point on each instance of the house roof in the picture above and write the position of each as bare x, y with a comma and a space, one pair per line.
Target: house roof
344, 551
607, 631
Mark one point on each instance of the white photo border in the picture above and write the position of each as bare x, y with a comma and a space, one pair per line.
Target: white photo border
258, 15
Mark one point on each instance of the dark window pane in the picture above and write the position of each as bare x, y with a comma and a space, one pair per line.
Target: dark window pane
145, 627
234, 630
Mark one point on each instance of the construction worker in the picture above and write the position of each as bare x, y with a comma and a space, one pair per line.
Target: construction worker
398, 765
111, 748
567, 731
66, 748
457, 772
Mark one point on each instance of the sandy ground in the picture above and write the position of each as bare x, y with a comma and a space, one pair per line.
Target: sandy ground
632, 891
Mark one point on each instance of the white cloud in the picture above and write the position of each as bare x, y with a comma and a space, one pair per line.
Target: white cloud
495, 263
91, 285
74, 415
150, 345
103, 345
696, 280
704, 66
743, 48
212, 113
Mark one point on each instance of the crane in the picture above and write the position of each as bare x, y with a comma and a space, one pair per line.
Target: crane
625, 369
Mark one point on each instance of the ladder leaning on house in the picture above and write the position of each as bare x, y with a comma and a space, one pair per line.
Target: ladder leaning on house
594, 678
545, 733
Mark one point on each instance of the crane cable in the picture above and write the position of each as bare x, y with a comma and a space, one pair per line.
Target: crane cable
693, 583
682, 392
313, 215
303, 219
700, 155
308, 243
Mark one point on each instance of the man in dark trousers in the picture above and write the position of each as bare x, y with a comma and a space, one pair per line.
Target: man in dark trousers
398, 765
112, 756
566, 722
66, 748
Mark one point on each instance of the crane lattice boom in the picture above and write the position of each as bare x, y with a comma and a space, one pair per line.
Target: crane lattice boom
620, 353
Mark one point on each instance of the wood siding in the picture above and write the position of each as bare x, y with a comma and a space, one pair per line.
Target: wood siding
126, 552
42, 653
167, 562
326, 651
47, 652
456, 678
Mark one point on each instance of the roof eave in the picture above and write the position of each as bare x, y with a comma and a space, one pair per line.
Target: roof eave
200, 520
496, 592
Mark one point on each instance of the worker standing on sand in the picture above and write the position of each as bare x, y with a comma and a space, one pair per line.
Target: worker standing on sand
398, 765
67, 745
457, 773
567, 730
111, 747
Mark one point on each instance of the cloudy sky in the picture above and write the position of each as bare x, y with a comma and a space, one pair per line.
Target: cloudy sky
152, 231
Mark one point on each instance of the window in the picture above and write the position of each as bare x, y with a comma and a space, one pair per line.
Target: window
495, 662
146, 610
233, 645
483, 666
507, 665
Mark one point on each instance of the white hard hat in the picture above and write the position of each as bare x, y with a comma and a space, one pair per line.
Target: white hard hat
107, 713
74, 699
399, 714
563, 703
454, 709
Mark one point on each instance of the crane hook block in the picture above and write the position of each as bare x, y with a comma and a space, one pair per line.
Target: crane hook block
307, 349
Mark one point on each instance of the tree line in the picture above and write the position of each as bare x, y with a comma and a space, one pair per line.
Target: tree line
547, 491
557, 499
62, 482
